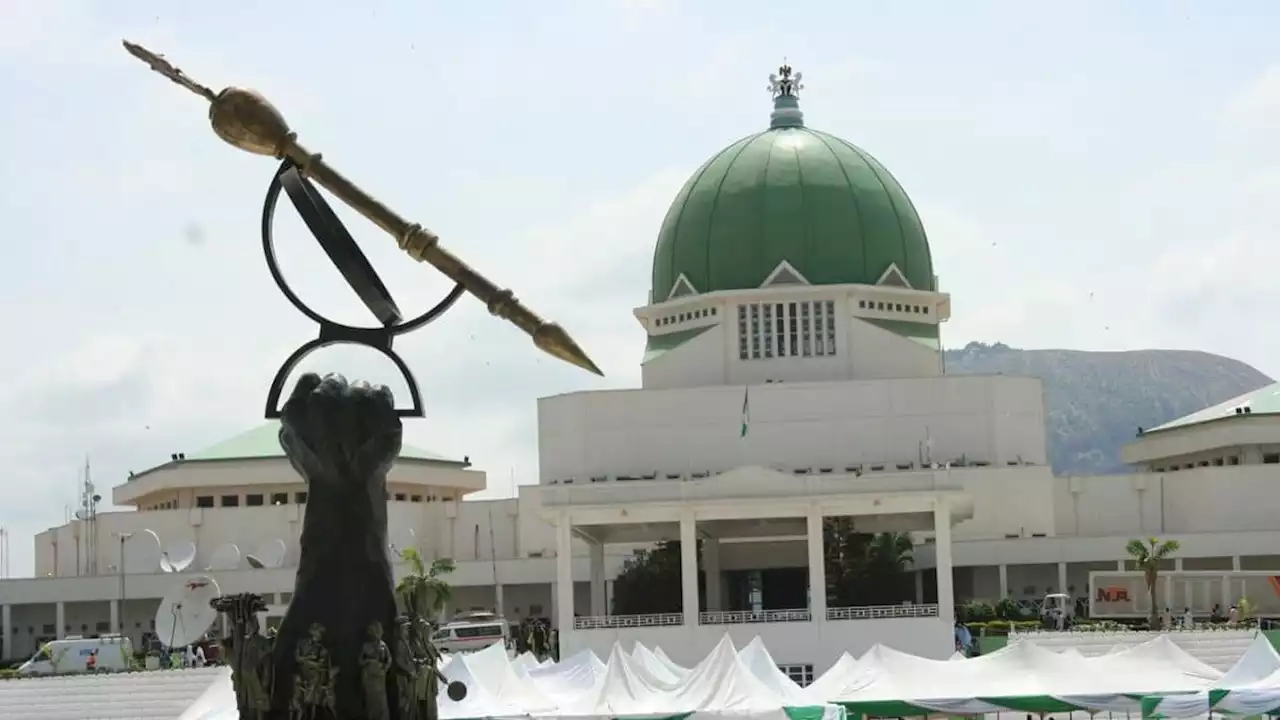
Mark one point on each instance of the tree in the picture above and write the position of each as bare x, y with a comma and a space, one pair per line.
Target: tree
1147, 556
424, 589
649, 583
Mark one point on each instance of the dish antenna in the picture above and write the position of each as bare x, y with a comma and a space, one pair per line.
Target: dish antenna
185, 614
178, 557
226, 557
401, 541
269, 555
141, 552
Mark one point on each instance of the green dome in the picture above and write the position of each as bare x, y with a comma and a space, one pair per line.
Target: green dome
796, 194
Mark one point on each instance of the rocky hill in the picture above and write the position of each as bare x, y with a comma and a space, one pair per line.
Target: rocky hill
1095, 401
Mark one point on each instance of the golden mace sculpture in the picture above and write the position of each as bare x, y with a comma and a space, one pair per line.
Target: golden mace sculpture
250, 122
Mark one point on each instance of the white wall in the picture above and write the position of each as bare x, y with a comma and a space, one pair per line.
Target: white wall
996, 419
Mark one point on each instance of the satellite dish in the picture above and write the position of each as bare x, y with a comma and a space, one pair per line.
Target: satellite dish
185, 614
141, 552
178, 557
269, 555
402, 540
226, 557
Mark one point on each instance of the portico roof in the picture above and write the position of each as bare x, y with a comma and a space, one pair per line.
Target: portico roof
728, 503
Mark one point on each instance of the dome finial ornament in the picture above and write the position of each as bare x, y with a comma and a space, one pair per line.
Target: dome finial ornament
786, 87
783, 84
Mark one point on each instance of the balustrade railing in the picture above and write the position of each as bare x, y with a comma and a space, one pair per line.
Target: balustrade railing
882, 612
607, 622
742, 617
748, 617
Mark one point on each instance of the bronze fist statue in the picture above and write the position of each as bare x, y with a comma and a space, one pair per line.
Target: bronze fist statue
331, 428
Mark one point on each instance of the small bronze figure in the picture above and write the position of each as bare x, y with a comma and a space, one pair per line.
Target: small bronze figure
248, 653
313, 685
375, 660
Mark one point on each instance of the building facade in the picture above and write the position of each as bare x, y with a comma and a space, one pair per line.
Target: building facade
793, 372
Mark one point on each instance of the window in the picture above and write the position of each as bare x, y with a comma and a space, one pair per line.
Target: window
300, 498
230, 501
800, 673
790, 329
415, 498
204, 501
254, 500
1270, 458
400, 497
279, 498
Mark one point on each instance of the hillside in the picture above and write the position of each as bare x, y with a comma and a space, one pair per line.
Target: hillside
1095, 401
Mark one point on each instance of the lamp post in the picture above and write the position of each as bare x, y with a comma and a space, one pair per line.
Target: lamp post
120, 615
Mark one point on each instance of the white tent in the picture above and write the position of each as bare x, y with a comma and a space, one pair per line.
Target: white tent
1250, 687
1021, 677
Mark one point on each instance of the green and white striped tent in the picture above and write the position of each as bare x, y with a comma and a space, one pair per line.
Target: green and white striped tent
1022, 677
1250, 687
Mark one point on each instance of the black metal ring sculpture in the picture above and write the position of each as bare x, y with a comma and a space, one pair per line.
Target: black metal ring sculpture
347, 257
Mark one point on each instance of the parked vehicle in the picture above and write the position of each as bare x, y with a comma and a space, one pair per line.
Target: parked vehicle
468, 632
71, 655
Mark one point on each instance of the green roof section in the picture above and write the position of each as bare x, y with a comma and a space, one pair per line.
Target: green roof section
263, 443
659, 345
790, 193
1263, 401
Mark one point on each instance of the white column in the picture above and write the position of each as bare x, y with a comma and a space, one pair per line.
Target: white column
597, 580
555, 605
1235, 563
564, 578
1177, 564
60, 619
499, 599
116, 625
1119, 566
1062, 577
942, 547
6, 628
689, 569
711, 569
817, 567
1004, 581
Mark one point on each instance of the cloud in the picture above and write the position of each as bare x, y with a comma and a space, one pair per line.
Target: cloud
1257, 105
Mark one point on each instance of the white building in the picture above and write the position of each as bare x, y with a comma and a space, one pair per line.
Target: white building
793, 372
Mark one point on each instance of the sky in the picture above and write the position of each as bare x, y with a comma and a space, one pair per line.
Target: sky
1092, 175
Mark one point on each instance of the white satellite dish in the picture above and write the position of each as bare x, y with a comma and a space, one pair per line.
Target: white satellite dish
141, 551
269, 555
185, 613
402, 540
226, 557
178, 557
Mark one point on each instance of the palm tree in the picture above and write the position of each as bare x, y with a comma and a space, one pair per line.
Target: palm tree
424, 591
1147, 556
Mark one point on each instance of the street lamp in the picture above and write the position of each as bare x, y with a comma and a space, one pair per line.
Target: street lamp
120, 615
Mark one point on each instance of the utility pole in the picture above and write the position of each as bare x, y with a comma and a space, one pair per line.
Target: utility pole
120, 615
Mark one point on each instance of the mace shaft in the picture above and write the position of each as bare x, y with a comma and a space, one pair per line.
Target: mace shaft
250, 122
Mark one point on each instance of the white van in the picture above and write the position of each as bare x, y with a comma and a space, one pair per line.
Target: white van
71, 655
472, 631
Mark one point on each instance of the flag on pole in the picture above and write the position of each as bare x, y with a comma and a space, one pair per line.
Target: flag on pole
746, 411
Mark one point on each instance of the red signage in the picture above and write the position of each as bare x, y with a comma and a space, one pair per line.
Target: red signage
1114, 593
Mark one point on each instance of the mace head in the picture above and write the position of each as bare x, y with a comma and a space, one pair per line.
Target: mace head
248, 121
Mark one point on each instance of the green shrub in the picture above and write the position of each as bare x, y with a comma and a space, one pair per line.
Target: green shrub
976, 611
1009, 609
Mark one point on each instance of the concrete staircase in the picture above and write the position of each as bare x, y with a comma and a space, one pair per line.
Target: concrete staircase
1219, 649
